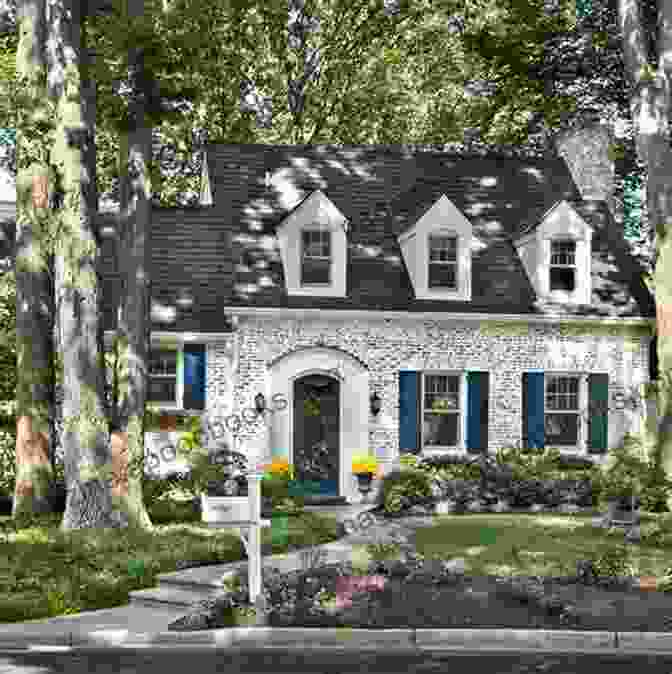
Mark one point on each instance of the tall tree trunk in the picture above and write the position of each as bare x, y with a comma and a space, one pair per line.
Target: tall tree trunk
650, 104
34, 299
85, 439
135, 156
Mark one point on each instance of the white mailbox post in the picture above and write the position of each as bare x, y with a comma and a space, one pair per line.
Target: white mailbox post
249, 531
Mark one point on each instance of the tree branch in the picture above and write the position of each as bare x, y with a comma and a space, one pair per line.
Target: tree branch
634, 40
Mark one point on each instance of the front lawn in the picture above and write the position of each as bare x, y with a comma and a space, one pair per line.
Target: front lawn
534, 544
45, 572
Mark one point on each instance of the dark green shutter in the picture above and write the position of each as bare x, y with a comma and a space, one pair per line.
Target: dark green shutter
598, 402
477, 411
533, 410
194, 377
409, 412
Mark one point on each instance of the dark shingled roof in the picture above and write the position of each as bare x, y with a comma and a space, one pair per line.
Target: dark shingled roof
227, 253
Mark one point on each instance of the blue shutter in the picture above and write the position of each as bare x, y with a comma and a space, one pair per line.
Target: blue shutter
194, 377
477, 411
409, 412
598, 397
533, 410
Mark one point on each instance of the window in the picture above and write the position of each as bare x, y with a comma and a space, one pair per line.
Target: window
316, 258
562, 412
162, 384
563, 266
441, 410
443, 262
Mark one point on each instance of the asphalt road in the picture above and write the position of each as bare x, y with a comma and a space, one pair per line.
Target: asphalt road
221, 662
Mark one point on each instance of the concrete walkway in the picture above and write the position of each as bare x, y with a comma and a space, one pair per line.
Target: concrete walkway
145, 626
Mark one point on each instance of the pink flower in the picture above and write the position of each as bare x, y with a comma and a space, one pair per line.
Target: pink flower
347, 585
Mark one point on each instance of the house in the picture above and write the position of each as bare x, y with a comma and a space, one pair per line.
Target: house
392, 300
477, 301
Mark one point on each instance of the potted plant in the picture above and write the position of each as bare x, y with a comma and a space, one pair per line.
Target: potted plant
277, 496
364, 466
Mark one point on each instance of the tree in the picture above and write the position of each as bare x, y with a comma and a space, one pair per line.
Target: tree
34, 291
135, 156
647, 51
85, 437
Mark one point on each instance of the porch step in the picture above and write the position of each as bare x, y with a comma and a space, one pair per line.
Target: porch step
168, 597
325, 500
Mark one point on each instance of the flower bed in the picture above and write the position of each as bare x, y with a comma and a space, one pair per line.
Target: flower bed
424, 593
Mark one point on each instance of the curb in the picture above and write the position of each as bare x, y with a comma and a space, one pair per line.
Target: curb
291, 638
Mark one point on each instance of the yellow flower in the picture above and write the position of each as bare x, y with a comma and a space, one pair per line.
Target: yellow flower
279, 468
364, 464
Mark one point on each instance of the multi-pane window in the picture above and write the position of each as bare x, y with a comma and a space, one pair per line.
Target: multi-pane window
316, 257
562, 412
162, 383
563, 265
441, 410
443, 262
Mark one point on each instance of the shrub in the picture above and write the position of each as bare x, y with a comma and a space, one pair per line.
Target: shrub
404, 488
7, 462
613, 562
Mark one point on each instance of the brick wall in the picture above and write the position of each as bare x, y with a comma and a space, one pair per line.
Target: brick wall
386, 346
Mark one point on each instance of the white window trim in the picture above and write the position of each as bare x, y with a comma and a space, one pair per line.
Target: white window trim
442, 219
582, 444
577, 281
179, 385
462, 426
456, 264
317, 228
315, 212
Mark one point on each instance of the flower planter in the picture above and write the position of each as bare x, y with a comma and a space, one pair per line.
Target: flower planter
364, 484
222, 509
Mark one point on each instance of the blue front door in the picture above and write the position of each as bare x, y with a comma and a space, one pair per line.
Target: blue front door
316, 434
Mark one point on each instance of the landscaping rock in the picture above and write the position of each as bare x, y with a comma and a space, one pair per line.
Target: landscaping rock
586, 572
456, 566
202, 616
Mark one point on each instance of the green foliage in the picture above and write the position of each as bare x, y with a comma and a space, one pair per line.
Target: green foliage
629, 472
613, 562
402, 488
7, 462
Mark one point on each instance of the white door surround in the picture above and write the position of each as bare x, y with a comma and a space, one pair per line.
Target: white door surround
354, 403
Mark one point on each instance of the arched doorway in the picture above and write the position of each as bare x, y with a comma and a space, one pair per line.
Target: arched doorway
316, 424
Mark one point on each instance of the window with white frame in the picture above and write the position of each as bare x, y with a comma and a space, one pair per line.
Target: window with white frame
162, 381
316, 257
441, 411
442, 262
563, 265
562, 413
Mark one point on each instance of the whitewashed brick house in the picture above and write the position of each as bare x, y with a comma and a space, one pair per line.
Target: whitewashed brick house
482, 300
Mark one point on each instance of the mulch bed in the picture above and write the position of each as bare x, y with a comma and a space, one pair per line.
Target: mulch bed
463, 601
487, 602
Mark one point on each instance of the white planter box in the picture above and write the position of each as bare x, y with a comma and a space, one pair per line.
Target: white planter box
225, 508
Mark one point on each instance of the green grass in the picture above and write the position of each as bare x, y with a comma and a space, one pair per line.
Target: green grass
45, 572
532, 544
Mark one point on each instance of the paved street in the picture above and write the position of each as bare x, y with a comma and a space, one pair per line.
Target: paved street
218, 662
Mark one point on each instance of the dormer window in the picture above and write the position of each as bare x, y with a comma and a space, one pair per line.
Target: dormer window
563, 266
316, 257
314, 248
443, 262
